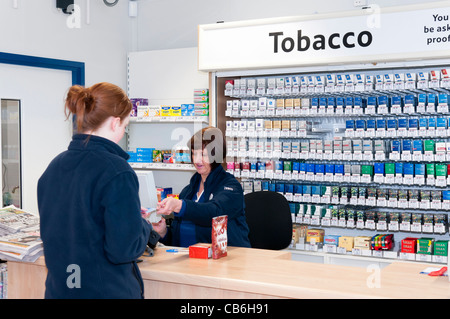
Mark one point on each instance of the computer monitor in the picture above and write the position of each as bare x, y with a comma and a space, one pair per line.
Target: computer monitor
147, 190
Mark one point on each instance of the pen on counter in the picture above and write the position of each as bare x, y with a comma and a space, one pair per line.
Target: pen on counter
177, 251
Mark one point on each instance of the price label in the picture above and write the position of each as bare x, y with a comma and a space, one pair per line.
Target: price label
357, 156
389, 179
408, 109
326, 221
337, 155
440, 157
439, 228
435, 204
370, 224
416, 227
419, 180
421, 108
382, 202
334, 221
382, 225
367, 156
405, 226
315, 220
403, 203
427, 228
408, 179
379, 156
371, 201
330, 248
382, 109
366, 178
394, 156
406, 156
441, 181
307, 219
393, 226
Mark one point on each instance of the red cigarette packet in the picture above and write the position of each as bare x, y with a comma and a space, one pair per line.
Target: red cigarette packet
200, 251
219, 236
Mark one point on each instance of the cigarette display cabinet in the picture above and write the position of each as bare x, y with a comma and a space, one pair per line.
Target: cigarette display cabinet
359, 151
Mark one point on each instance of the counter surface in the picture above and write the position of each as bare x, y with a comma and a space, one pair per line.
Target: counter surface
258, 273
255, 273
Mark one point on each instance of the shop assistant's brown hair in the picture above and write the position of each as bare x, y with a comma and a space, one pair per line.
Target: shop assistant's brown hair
93, 105
213, 140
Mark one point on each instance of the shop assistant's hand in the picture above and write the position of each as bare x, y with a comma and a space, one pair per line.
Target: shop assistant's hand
169, 205
160, 227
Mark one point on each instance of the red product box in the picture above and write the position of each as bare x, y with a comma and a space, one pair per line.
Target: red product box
200, 251
409, 245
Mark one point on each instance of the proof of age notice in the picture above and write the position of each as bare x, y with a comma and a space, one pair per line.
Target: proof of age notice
439, 30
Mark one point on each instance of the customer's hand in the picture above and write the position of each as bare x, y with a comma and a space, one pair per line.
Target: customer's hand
144, 213
160, 227
169, 205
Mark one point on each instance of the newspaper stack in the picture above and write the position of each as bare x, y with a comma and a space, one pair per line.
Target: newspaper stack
19, 235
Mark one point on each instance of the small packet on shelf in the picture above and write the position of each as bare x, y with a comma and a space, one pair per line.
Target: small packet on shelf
219, 236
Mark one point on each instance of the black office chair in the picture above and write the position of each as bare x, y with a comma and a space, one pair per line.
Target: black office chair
269, 220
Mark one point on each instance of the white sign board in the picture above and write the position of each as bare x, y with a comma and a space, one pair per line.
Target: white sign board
371, 35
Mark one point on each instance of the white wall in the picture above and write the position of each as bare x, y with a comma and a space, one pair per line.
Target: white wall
168, 24
37, 28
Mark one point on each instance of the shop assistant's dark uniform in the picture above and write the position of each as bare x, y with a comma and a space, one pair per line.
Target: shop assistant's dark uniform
90, 222
222, 195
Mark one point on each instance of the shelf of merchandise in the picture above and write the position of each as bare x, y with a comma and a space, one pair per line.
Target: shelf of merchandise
328, 123
170, 119
163, 166
164, 133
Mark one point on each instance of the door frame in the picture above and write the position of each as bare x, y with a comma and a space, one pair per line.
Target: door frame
77, 68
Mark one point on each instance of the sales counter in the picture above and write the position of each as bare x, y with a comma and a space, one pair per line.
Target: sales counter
255, 273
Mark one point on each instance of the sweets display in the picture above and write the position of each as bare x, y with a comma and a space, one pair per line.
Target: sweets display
143, 111
151, 155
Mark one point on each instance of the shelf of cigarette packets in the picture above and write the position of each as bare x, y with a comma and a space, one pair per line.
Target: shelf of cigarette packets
361, 152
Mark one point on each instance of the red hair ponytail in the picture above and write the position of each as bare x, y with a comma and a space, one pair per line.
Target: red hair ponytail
93, 105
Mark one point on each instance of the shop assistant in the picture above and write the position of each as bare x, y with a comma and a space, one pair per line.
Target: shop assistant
88, 197
211, 192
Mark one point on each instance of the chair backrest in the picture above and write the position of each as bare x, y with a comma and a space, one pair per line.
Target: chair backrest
269, 220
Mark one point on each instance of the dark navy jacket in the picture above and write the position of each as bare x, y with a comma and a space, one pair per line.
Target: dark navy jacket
222, 195
90, 222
